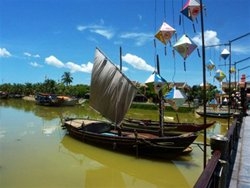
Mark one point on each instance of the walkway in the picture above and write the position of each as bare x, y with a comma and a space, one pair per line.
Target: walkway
241, 171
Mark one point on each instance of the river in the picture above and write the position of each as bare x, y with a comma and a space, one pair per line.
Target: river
36, 152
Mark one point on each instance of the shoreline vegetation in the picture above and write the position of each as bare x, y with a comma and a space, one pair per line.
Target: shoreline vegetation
137, 105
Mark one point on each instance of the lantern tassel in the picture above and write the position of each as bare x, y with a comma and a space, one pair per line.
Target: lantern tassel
194, 28
173, 53
198, 51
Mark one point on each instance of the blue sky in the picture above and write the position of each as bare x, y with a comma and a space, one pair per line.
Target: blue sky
42, 39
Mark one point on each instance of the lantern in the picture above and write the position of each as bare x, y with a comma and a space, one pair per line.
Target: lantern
232, 70
219, 75
191, 9
210, 65
157, 81
165, 33
175, 98
225, 53
185, 46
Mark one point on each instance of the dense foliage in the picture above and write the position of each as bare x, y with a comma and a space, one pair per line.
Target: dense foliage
80, 90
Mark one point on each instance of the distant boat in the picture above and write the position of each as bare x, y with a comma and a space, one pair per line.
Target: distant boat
4, 95
215, 114
46, 99
111, 95
67, 101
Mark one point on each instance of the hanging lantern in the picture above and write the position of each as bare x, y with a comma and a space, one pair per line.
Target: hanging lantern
157, 81
175, 98
185, 46
232, 70
191, 9
219, 75
165, 33
210, 66
213, 103
225, 53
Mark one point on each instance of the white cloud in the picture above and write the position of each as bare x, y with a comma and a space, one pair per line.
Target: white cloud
140, 38
27, 54
106, 32
139, 17
52, 60
36, 56
210, 38
87, 68
241, 49
81, 28
73, 67
31, 55
35, 64
4, 52
103, 32
137, 62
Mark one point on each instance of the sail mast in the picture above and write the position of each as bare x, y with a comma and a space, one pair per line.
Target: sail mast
120, 58
161, 111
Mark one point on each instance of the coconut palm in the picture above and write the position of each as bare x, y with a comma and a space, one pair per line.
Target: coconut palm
67, 78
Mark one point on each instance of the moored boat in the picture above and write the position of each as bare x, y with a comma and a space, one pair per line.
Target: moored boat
46, 99
216, 114
111, 95
167, 126
104, 134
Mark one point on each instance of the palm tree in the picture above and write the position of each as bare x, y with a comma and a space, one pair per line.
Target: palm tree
67, 78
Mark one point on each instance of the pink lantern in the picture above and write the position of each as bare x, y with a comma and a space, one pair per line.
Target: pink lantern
185, 46
191, 9
165, 33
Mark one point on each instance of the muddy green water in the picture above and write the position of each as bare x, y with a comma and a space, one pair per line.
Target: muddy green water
36, 152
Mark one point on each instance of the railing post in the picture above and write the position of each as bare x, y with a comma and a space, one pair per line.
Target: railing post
220, 142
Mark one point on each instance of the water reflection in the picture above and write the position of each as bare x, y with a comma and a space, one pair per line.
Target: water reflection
117, 170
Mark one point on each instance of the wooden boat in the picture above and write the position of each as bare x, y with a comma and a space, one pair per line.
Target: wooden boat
216, 114
111, 95
4, 95
168, 126
46, 99
67, 101
104, 134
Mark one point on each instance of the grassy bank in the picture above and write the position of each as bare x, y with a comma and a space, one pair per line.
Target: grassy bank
152, 106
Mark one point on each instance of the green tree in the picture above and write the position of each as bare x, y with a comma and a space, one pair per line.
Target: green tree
67, 78
49, 86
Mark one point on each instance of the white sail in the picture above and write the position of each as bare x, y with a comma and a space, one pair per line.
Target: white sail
111, 92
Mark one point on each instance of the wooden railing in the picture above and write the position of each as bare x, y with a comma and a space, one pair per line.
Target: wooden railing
218, 171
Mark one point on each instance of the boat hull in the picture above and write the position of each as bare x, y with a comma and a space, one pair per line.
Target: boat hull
216, 114
103, 134
150, 125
